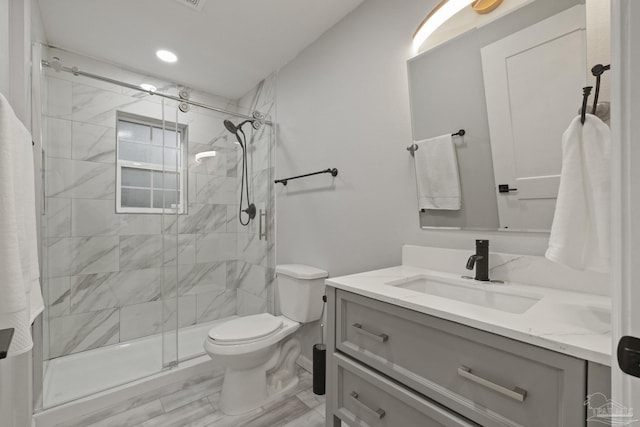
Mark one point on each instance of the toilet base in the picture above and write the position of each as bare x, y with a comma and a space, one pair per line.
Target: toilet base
281, 382
243, 391
256, 370
246, 390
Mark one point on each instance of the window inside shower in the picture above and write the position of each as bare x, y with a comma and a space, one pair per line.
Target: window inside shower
133, 282
150, 169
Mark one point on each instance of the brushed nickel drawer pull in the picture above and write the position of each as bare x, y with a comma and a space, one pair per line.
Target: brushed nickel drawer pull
377, 337
516, 394
376, 413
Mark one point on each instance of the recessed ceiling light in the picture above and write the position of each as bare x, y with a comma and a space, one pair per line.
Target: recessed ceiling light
148, 87
166, 55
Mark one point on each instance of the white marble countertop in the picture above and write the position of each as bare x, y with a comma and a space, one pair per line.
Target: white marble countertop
573, 323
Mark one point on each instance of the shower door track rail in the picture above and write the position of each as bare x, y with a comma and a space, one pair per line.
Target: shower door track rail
77, 72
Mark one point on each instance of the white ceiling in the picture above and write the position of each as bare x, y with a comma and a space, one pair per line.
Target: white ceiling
225, 49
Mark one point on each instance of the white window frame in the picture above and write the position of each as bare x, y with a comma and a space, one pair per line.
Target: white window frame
181, 170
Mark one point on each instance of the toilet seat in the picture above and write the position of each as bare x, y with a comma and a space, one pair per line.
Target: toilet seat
221, 348
245, 329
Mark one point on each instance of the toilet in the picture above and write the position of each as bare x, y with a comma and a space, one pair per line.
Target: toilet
256, 350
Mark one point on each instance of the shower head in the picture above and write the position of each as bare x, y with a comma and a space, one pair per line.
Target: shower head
235, 130
230, 126
256, 122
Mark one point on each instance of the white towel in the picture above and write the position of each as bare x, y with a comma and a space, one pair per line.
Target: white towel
437, 174
20, 295
580, 231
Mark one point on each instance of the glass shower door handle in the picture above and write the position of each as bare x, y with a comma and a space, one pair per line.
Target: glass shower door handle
262, 226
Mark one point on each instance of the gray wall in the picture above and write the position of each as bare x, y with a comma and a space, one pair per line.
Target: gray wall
439, 108
344, 102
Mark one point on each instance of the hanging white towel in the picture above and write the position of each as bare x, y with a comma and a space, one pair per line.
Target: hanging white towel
580, 231
437, 176
20, 295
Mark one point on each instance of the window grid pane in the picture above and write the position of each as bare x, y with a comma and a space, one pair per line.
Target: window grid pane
170, 137
167, 180
169, 197
134, 132
133, 177
145, 184
135, 198
133, 151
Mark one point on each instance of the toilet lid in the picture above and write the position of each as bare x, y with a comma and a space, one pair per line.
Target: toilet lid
246, 328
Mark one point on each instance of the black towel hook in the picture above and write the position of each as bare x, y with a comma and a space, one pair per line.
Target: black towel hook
586, 91
597, 71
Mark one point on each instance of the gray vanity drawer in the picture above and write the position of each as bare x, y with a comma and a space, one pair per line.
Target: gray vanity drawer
365, 398
489, 379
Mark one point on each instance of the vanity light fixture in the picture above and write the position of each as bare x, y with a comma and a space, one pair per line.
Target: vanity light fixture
148, 87
204, 155
166, 56
438, 16
485, 6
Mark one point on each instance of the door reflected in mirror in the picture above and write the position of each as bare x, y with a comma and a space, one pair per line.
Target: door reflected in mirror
514, 85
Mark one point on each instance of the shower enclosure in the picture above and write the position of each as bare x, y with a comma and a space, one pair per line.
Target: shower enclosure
142, 247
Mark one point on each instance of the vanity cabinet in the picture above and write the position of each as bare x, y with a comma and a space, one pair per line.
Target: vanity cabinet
391, 366
362, 394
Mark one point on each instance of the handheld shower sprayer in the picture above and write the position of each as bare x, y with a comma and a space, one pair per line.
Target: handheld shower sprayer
256, 123
234, 130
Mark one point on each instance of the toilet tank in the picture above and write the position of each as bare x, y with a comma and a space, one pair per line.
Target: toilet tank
300, 291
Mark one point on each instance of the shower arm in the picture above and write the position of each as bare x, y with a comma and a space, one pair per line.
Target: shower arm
56, 64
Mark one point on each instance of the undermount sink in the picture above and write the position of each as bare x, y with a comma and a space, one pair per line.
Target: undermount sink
468, 293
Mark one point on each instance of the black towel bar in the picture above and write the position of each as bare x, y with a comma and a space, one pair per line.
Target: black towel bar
333, 172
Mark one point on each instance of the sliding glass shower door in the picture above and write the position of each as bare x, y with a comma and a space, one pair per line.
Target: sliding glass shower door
112, 188
225, 269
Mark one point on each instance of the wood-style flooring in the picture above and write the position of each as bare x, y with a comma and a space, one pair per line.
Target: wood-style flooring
193, 404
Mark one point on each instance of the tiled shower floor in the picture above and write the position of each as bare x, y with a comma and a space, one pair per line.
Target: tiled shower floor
194, 404
70, 377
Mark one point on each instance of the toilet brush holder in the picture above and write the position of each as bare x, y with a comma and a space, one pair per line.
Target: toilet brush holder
320, 357
319, 368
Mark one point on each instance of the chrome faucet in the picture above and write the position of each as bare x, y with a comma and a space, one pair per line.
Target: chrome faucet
480, 260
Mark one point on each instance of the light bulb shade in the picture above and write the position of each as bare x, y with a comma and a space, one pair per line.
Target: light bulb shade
166, 55
204, 155
438, 16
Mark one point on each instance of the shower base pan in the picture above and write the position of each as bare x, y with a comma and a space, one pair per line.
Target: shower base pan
81, 382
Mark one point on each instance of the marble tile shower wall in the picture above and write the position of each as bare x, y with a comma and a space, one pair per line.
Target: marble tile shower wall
105, 270
256, 256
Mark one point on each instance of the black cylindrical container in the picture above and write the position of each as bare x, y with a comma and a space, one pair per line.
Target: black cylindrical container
319, 368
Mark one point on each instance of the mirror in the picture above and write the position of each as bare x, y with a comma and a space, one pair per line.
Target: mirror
513, 84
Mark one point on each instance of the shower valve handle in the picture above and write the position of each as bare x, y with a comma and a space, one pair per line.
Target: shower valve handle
251, 211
